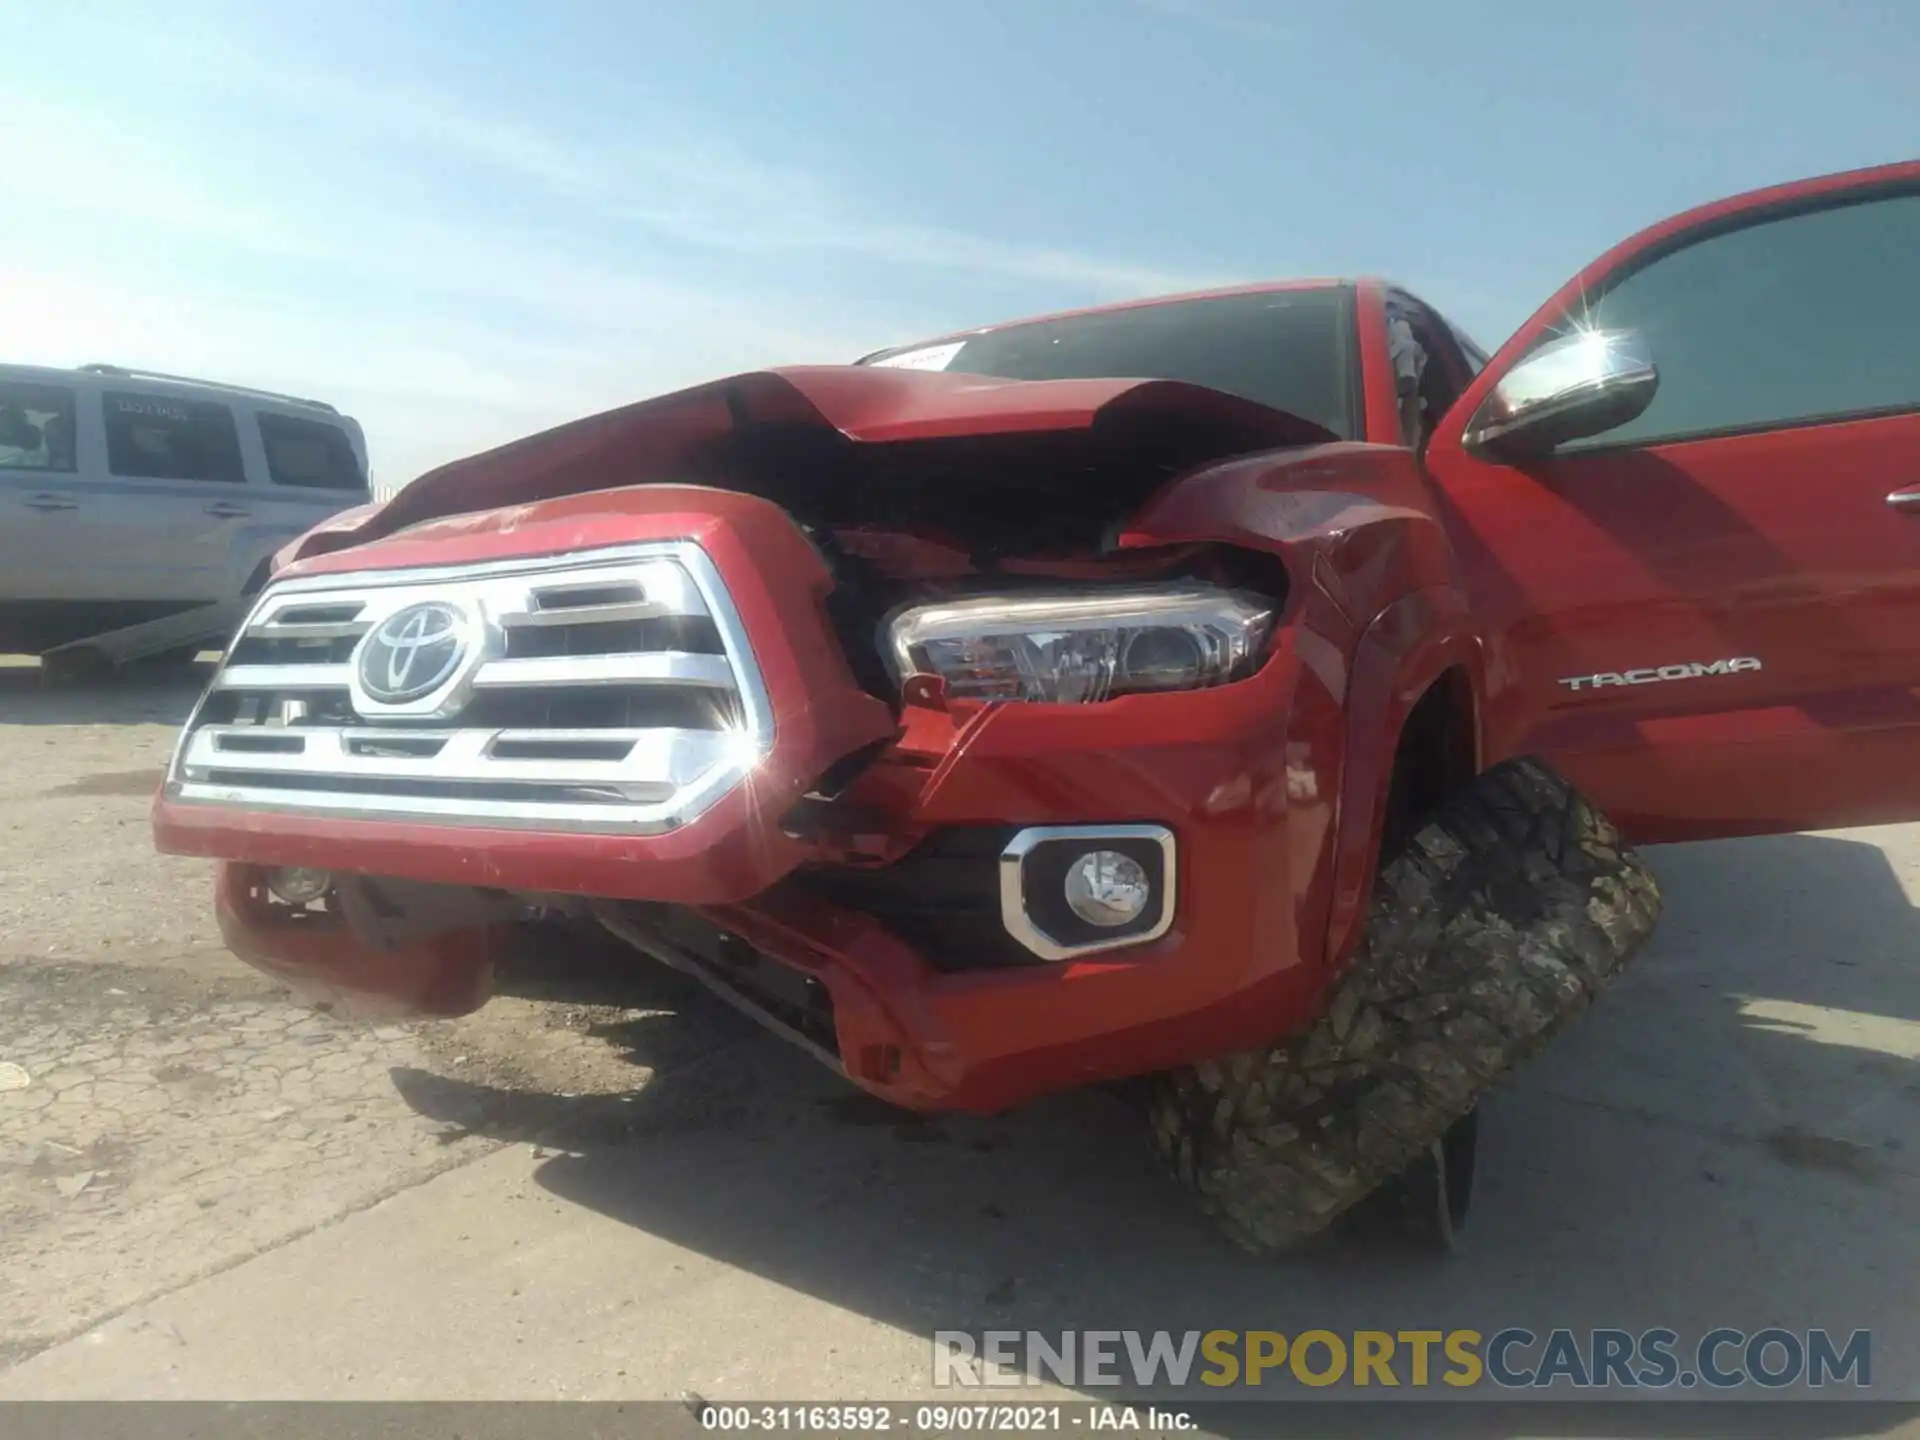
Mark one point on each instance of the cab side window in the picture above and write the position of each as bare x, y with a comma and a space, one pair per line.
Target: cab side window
36, 428
1791, 321
156, 437
1429, 368
1472, 358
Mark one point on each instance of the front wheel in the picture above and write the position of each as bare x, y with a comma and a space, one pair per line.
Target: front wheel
1428, 1201
1506, 914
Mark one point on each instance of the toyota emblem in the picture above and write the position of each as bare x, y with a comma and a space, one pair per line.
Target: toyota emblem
413, 652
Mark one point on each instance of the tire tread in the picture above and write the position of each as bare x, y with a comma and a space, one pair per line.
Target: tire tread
1505, 915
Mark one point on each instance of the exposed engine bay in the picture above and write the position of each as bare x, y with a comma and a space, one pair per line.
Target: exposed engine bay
906, 513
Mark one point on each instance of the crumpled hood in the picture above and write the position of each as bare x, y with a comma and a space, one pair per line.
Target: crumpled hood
819, 416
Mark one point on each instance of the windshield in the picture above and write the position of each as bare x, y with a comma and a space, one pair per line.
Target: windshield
1285, 348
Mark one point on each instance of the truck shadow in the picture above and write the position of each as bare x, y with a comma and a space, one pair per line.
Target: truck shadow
1731, 1138
137, 694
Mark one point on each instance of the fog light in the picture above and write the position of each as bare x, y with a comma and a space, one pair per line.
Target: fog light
1107, 888
299, 886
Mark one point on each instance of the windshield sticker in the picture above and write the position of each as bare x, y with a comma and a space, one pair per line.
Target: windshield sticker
930, 357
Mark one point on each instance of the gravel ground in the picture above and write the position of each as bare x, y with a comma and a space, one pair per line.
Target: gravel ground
181, 1112
607, 1185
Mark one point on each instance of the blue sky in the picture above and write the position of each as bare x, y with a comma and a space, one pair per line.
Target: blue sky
463, 222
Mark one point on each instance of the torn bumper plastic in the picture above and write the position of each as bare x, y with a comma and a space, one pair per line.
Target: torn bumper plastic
1251, 822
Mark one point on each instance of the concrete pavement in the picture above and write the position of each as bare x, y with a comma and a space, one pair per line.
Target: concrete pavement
1732, 1137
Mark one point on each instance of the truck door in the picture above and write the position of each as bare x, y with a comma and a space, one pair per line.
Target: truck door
1701, 575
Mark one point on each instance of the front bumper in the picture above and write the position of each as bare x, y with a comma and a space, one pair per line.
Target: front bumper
1240, 777
1250, 810
445, 974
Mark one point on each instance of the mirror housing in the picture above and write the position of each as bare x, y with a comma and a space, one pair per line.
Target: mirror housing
1578, 385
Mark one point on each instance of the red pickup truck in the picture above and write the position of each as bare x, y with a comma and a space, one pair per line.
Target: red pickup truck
1221, 692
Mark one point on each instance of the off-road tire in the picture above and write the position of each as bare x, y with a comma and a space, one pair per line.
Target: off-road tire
1507, 912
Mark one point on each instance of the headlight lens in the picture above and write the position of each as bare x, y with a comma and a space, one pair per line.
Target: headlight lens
1081, 647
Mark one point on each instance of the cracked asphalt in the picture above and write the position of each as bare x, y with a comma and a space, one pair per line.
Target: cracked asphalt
177, 1123
606, 1186
166, 1112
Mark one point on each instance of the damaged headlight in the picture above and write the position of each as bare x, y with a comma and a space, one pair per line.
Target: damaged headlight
1081, 647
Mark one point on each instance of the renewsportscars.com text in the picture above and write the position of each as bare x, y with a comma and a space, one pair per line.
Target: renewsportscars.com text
1512, 1358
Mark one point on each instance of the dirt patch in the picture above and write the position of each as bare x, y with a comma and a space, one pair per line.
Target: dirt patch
1822, 1152
579, 1014
114, 782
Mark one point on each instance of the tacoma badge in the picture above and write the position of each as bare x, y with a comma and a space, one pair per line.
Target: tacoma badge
1654, 674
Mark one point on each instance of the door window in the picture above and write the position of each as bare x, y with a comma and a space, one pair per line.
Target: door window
310, 454
158, 437
1429, 369
1471, 355
36, 427
1791, 321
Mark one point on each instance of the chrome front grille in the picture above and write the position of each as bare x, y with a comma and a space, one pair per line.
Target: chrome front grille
607, 690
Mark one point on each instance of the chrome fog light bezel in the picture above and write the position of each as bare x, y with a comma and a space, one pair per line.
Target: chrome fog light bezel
1016, 913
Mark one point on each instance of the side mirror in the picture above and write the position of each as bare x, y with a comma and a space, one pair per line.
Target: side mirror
1579, 385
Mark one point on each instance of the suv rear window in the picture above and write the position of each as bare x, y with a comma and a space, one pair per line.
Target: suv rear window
36, 427
157, 437
309, 453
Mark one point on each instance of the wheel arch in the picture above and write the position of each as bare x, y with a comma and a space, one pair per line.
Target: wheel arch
1438, 752
1414, 733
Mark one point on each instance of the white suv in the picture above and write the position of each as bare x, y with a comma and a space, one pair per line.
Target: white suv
126, 495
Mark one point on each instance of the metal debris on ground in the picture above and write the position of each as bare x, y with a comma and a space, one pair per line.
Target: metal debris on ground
13, 1077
